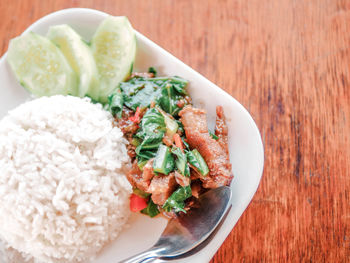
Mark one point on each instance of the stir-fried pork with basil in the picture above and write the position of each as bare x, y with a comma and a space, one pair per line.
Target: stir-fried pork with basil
175, 157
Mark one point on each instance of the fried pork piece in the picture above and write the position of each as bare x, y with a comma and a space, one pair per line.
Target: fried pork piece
127, 126
196, 188
141, 179
221, 129
162, 186
182, 180
215, 153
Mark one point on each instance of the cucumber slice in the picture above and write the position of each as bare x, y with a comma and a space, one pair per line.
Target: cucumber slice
114, 50
79, 56
40, 66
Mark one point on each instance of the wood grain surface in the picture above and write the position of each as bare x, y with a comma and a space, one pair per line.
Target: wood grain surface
288, 63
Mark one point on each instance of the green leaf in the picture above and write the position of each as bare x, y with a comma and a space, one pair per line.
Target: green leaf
143, 98
196, 159
177, 199
135, 142
152, 122
164, 161
168, 100
151, 209
140, 92
151, 133
115, 103
149, 142
181, 161
179, 85
152, 70
170, 123
181, 126
145, 155
142, 161
213, 135
185, 143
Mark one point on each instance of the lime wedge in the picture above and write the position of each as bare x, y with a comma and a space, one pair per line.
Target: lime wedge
79, 56
40, 66
114, 48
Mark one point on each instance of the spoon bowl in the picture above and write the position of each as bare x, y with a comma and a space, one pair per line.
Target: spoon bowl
187, 231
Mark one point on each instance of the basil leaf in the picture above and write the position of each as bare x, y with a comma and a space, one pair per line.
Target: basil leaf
152, 122
168, 100
164, 161
185, 143
150, 142
181, 126
115, 103
213, 135
142, 161
140, 92
151, 209
179, 85
177, 199
196, 159
143, 98
145, 155
152, 70
181, 161
151, 132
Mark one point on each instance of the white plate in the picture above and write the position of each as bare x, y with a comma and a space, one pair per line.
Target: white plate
246, 149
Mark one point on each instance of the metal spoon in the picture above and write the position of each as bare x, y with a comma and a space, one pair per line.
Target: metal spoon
187, 231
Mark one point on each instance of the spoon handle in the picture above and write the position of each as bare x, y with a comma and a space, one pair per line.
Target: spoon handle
145, 256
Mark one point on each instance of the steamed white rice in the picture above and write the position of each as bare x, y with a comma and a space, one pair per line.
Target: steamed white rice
63, 193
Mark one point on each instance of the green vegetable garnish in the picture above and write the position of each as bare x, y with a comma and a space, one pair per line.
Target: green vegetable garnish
151, 209
150, 142
181, 161
196, 159
151, 132
152, 70
185, 143
164, 161
181, 127
166, 91
171, 124
152, 122
135, 142
142, 161
169, 98
140, 92
116, 102
213, 135
177, 198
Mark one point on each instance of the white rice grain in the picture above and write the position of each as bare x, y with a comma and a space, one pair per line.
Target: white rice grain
63, 193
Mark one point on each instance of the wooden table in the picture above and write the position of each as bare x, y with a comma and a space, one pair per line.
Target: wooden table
288, 63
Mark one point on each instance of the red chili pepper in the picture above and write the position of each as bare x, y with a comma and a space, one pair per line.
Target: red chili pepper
137, 203
136, 117
180, 103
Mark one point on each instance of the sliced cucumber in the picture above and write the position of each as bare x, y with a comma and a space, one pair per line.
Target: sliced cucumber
79, 56
40, 66
114, 49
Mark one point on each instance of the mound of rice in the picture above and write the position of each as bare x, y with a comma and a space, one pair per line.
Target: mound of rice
63, 193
